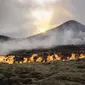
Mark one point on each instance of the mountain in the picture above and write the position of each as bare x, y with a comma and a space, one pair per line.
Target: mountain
4, 38
67, 27
66, 33
69, 36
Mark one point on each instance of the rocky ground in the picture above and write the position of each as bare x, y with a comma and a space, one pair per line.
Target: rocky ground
54, 73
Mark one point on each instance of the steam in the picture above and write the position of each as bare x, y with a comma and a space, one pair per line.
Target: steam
45, 40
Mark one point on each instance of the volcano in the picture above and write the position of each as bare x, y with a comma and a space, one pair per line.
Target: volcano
70, 29
70, 32
70, 36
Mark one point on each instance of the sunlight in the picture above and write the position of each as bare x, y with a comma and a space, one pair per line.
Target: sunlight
42, 15
42, 30
42, 20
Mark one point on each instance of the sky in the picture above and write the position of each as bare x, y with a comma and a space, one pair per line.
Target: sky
24, 18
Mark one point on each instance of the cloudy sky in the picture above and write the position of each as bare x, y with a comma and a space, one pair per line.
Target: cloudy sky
23, 18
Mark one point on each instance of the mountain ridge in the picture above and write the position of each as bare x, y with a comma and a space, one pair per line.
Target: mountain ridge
65, 23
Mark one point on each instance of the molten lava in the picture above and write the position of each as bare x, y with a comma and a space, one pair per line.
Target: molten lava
39, 58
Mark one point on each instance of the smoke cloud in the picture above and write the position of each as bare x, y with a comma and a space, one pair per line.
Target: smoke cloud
55, 37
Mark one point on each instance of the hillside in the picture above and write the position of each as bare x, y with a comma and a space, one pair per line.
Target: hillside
63, 49
71, 25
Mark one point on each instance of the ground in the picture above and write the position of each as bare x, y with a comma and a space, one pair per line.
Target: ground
54, 73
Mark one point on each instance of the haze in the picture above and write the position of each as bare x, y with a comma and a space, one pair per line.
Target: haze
23, 18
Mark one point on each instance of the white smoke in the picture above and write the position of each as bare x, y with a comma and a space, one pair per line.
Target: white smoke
46, 40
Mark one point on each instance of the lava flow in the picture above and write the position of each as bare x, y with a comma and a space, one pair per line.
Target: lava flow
47, 57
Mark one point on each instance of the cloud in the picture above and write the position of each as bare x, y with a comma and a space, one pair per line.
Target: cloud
75, 8
16, 19
15, 16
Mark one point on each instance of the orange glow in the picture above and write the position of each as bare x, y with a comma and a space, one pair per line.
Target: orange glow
36, 58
